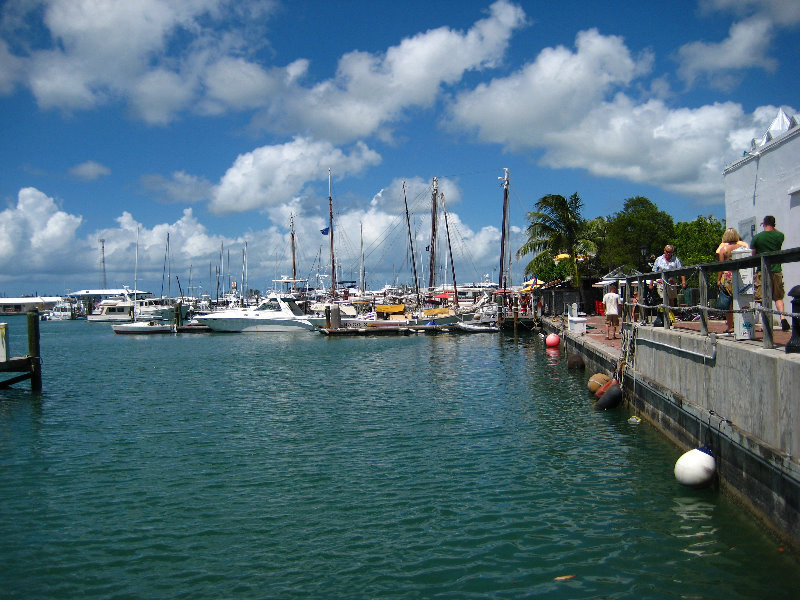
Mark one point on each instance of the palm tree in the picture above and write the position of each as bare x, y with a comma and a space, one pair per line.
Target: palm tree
557, 227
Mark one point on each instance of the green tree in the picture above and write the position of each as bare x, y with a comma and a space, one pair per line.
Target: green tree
596, 230
640, 224
696, 241
557, 227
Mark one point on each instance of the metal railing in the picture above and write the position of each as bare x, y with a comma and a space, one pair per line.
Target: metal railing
763, 261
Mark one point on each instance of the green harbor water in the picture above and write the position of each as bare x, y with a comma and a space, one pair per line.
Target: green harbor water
299, 466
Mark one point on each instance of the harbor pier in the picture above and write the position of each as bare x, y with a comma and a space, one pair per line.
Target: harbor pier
739, 398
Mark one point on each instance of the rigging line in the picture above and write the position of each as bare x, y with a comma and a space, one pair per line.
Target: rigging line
395, 224
465, 252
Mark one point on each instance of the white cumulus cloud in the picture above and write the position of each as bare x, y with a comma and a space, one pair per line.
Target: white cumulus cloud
273, 175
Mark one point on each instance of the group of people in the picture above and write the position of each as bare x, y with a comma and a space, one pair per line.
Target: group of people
768, 240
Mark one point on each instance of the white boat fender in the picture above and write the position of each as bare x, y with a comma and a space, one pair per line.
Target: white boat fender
696, 468
610, 399
634, 420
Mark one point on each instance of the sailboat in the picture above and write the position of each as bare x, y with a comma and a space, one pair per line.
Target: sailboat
141, 327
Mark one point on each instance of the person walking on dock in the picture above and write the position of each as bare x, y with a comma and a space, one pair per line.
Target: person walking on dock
770, 240
611, 304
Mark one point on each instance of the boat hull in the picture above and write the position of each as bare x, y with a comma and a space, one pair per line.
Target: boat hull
253, 324
142, 328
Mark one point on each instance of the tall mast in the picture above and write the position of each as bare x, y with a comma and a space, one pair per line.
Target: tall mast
505, 178
294, 266
136, 273
450, 250
169, 270
362, 273
502, 281
243, 289
330, 224
432, 268
411, 243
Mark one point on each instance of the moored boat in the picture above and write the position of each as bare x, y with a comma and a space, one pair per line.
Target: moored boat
142, 327
278, 312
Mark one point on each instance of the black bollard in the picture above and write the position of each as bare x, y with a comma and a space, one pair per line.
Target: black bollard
793, 345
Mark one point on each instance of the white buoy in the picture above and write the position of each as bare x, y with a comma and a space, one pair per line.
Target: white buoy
695, 468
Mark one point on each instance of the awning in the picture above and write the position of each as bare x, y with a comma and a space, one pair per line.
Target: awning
390, 308
443, 297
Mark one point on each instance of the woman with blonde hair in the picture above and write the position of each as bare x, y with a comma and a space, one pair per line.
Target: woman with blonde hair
730, 242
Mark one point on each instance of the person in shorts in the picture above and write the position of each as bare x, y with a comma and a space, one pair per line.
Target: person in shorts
770, 240
611, 304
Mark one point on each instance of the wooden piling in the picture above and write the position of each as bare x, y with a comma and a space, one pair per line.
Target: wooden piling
30, 366
33, 350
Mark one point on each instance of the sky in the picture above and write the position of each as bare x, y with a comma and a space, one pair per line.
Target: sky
190, 136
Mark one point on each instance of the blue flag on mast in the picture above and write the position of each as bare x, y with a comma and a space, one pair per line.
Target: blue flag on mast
325, 231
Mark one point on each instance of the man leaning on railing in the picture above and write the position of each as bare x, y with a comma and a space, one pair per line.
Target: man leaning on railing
771, 240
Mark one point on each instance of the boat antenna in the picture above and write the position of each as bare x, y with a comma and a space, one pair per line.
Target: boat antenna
102, 241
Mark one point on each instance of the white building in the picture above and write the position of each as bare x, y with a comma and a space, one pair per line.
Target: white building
766, 181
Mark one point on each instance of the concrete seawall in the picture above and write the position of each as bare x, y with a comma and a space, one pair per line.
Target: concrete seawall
736, 396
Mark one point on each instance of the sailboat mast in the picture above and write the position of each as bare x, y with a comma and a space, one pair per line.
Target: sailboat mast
434, 219
294, 266
501, 282
169, 270
330, 231
243, 289
450, 250
362, 287
136, 273
411, 243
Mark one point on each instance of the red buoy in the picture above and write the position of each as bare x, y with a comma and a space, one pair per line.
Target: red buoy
552, 340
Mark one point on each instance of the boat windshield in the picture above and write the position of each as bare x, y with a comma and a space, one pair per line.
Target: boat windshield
293, 307
270, 305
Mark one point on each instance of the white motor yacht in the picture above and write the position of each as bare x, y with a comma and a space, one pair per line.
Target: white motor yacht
279, 312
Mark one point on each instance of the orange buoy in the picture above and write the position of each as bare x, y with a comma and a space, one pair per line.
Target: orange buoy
596, 381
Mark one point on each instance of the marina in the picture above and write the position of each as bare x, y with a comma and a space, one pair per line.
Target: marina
402, 467
275, 323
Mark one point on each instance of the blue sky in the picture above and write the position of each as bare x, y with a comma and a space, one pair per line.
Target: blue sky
216, 121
